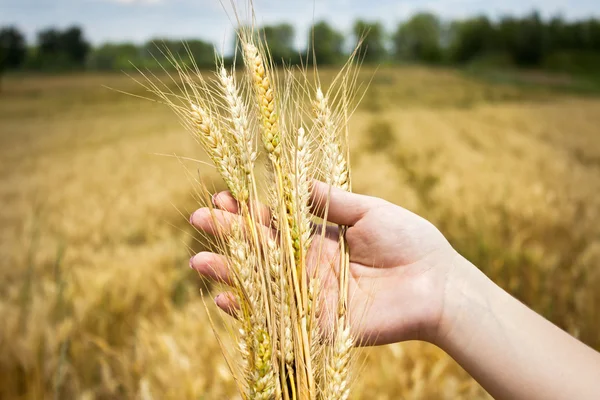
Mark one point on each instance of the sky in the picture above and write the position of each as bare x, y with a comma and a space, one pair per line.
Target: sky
140, 20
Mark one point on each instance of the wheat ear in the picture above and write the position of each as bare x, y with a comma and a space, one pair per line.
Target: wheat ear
334, 159
265, 95
219, 150
256, 345
337, 370
337, 175
242, 136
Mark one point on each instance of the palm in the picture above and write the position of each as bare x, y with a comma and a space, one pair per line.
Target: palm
397, 261
391, 254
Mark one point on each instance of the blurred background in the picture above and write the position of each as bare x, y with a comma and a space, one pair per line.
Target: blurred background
482, 116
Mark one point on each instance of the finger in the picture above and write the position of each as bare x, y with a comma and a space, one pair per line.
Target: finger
212, 266
215, 222
226, 302
222, 223
342, 208
225, 201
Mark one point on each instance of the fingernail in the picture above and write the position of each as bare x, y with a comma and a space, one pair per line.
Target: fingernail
192, 262
213, 198
192, 219
217, 299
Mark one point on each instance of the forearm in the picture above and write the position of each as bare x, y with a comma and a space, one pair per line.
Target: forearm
510, 350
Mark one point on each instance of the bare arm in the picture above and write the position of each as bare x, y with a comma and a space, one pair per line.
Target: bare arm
510, 350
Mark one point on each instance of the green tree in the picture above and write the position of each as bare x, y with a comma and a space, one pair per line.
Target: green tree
472, 38
61, 49
74, 45
119, 56
48, 41
13, 49
418, 39
326, 43
573, 46
160, 52
49, 50
560, 35
203, 53
524, 39
280, 39
373, 45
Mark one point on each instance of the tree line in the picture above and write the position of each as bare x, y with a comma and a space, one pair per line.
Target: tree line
528, 41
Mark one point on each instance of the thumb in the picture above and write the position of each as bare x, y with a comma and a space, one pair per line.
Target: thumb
341, 207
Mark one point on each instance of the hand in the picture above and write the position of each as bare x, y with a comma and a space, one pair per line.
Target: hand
399, 264
407, 282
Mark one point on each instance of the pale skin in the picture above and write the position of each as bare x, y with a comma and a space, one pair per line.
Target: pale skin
408, 283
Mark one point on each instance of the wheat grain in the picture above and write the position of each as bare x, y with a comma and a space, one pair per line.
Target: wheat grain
242, 136
256, 346
337, 370
263, 381
265, 96
281, 299
301, 194
297, 195
335, 166
219, 151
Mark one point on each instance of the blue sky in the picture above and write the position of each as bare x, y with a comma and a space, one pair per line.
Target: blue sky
140, 20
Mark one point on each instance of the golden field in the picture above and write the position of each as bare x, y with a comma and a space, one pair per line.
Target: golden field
97, 301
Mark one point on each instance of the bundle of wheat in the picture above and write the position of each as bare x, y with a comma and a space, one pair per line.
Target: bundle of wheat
294, 341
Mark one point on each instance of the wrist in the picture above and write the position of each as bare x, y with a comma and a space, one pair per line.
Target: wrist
466, 292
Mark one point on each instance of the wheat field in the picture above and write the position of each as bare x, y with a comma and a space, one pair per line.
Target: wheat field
97, 301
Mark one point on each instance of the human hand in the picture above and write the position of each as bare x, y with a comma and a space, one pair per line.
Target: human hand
399, 263
407, 282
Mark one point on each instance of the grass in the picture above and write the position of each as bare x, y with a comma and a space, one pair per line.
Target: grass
565, 83
95, 232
